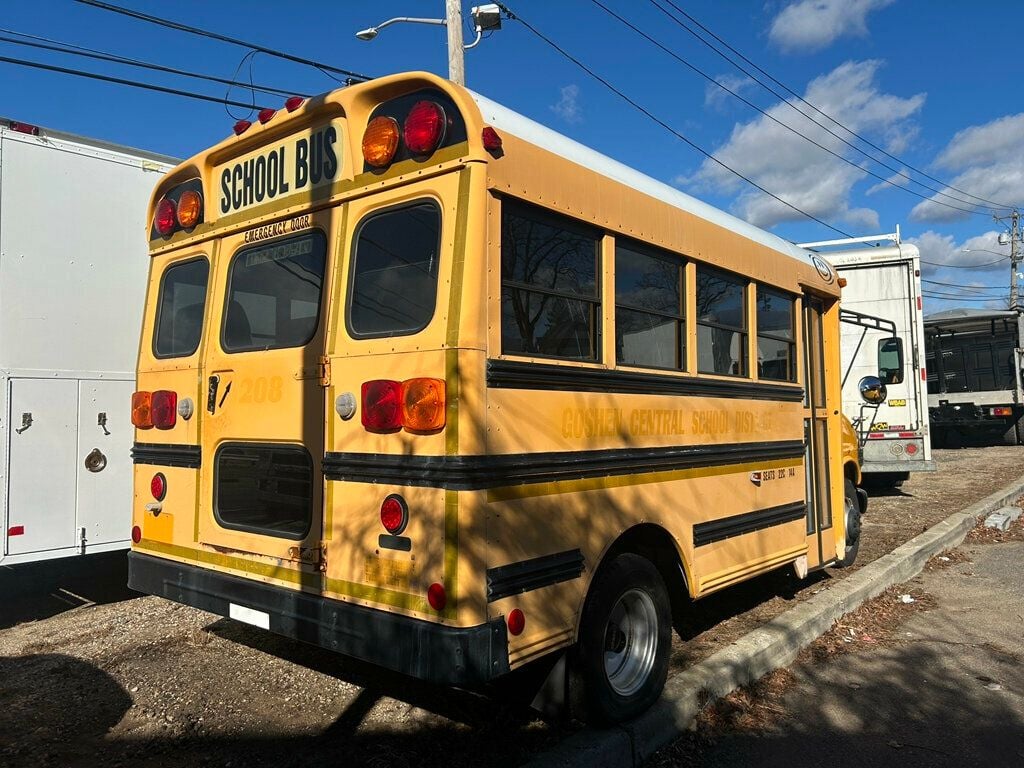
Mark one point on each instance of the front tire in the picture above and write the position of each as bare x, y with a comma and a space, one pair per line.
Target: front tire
851, 512
621, 660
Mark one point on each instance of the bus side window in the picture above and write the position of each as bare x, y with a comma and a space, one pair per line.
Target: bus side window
721, 323
179, 323
890, 360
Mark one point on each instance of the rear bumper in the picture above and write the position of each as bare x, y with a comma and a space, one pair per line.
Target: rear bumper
461, 656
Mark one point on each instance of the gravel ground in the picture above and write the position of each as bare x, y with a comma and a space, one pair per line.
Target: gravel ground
91, 676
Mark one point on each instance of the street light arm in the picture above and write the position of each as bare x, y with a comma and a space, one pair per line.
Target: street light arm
371, 32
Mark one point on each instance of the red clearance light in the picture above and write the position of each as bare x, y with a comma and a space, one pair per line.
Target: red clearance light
31, 130
142, 409
382, 405
516, 622
394, 514
16, 530
492, 141
294, 103
424, 127
436, 596
165, 409
266, 115
158, 486
136, 534
166, 218
241, 127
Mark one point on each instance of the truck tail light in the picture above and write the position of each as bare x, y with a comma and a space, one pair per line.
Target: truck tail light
164, 409
1000, 410
423, 404
382, 405
142, 410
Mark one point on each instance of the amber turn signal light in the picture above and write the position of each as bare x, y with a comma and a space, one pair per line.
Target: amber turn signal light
380, 141
423, 406
142, 410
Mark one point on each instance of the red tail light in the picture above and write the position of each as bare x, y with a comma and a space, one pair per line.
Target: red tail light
158, 486
516, 622
165, 409
382, 405
241, 127
166, 217
437, 597
424, 127
394, 514
142, 409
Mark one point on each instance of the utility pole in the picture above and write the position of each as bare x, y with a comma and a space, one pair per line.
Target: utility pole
1014, 256
456, 53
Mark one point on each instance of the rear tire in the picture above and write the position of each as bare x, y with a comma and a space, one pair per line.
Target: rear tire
621, 660
851, 512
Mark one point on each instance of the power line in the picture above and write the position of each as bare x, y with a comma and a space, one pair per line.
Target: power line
975, 288
954, 297
790, 128
813, 107
325, 68
662, 123
121, 81
964, 266
77, 50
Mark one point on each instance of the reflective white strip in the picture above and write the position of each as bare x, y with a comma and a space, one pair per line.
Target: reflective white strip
249, 616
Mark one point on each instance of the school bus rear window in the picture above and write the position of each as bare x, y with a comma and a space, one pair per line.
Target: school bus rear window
264, 489
274, 294
550, 296
394, 271
179, 324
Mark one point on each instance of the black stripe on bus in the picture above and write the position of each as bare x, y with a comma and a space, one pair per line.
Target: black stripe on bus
513, 374
527, 575
748, 522
469, 473
167, 455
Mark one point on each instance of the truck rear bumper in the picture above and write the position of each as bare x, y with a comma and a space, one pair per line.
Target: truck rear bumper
460, 656
906, 465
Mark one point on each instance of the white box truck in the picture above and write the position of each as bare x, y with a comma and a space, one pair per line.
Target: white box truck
882, 336
73, 270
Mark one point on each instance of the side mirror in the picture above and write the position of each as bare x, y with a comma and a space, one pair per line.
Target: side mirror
872, 390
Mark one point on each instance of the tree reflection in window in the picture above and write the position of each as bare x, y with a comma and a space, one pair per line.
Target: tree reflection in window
721, 323
776, 347
650, 325
550, 299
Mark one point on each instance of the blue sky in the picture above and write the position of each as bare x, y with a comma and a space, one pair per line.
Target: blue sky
932, 83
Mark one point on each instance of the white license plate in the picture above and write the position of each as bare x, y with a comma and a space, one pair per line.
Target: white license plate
249, 616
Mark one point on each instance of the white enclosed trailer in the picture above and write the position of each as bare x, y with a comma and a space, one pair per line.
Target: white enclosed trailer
883, 286
73, 270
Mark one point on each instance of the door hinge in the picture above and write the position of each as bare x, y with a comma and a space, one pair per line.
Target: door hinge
324, 365
310, 555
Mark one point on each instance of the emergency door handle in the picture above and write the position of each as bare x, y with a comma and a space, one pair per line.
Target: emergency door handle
211, 393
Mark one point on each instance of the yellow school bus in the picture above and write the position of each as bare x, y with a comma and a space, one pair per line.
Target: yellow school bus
428, 384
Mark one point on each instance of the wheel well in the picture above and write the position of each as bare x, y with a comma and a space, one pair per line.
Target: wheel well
654, 543
851, 472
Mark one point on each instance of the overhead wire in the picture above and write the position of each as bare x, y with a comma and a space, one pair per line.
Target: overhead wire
788, 127
636, 105
49, 44
138, 15
802, 100
123, 81
964, 266
964, 286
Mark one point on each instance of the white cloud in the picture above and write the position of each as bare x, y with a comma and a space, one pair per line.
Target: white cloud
717, 98
896, 180
568, 107
809, 25
797, 171
989, 159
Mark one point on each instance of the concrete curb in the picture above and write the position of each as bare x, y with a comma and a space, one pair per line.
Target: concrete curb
774, 645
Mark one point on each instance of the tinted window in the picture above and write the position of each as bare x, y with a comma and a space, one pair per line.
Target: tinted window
721, 323
776, 345
650, 327
394, 271
264, 489
274, 294
550, 301
179, 324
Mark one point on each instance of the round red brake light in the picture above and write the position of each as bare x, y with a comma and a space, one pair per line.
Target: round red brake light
516, 622
394, 514
424, 127
437, 597
166, 217
158, 486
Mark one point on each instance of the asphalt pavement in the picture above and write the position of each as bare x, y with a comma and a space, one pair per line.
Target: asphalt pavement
948, 689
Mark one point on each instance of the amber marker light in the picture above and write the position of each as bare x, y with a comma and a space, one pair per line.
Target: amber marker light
142, 409
190, 208
380, 141
423, 405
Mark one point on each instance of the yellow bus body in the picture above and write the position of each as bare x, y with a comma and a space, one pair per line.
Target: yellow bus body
544, 469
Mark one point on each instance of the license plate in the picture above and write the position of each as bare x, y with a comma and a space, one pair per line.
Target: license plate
249, 616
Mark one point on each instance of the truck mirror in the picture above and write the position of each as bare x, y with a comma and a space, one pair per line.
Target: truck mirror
872, 390
890, 360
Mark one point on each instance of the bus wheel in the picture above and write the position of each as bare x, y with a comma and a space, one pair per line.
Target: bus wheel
851, 512
621, 660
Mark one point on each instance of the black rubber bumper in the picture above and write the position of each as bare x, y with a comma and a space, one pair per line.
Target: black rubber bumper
461, 656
